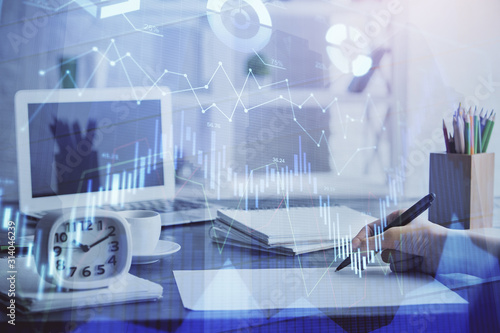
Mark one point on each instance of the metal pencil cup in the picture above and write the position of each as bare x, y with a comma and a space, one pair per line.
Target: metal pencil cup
463, 185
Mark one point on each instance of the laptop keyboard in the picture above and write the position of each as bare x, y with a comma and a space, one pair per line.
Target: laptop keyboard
160, 206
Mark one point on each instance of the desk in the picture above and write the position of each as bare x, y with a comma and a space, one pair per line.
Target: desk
198, 252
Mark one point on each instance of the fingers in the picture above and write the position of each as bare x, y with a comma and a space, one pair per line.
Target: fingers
394, 215
367, 229
407, 265
389, 256
400, 261
405, 247
390, 239
362, 233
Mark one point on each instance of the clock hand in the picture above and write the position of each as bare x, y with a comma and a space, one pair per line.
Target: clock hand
83, 247
100, 240
71, 247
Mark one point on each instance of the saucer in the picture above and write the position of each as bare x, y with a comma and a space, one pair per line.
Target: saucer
163, 249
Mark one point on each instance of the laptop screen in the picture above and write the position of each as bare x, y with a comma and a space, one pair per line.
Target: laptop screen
78, 147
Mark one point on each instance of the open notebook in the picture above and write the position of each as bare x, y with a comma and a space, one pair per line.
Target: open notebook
290, 231
34, 294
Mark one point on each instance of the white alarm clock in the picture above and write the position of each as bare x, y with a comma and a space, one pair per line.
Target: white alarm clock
77, 251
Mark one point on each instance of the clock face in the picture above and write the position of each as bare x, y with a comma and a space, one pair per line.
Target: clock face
87, 249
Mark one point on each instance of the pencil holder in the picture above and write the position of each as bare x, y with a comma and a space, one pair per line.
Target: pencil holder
463, 185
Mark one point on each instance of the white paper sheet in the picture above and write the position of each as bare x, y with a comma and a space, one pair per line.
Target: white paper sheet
247, 289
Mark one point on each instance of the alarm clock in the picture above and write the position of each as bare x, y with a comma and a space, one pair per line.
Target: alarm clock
76, 251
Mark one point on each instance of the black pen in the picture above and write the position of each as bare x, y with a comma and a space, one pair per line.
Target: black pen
409, 215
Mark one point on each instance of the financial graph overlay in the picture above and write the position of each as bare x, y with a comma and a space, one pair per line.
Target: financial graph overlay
211, 156
261, 128
94, 146
140, 171
123, 59
208, 158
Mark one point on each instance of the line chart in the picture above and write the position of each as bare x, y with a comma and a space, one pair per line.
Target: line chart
154, 32
269, 65
284, 95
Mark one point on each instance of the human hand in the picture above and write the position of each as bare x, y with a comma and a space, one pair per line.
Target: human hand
415, 246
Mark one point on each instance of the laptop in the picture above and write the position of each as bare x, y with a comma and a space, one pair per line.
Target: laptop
101, 148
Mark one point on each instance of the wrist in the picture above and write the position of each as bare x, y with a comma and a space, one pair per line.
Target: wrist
467, 251
452, 244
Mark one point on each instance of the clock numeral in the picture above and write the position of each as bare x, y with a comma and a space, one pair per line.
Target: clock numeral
68, 226
61, 238
112, 230
72, 271
57, 250
112, 260
100, 270
99, 225
60, 266
82, 225
113, 246
86, 271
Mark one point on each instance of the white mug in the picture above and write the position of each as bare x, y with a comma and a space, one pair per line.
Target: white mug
145, 227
